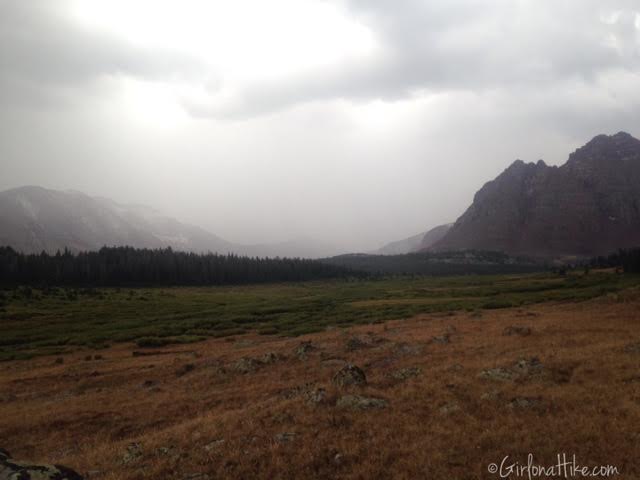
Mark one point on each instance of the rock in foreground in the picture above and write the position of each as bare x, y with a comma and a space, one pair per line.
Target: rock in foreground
11, 469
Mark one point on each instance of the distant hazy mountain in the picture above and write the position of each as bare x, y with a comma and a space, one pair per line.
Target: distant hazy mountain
434, 235
33, 219
417, 242
401, 246
588, 206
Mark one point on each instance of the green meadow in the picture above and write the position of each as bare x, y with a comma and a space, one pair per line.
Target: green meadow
58, 320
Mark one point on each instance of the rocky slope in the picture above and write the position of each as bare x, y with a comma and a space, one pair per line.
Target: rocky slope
588, 206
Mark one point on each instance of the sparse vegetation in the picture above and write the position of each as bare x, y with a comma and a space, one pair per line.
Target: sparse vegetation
275, 407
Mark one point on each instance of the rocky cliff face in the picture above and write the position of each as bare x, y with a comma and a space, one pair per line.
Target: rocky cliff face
588, 206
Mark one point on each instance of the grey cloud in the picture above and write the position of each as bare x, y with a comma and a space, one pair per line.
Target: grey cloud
459, 45
41, 50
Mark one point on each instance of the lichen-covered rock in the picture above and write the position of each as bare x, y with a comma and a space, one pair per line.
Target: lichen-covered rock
517, 330
349, 375
442, 339
358, 343
406, 373
132, 453
303, 349
527, 403
11, 469
269, 358
522, 369
358, 402
497, 374
246, 365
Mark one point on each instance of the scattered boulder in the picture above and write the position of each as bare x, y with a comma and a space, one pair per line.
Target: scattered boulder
132, 453
358, 402
349, 375
525, 403
303, 349
522, 369
246, 365
269, 358
308, 391
449, 408
358, 343
406, 373
404, 348
528, 366
212, 446
169, 452
497, 374
315, 396
632, 348
490, 395
442, 339
11, 469
517, 330
285, 437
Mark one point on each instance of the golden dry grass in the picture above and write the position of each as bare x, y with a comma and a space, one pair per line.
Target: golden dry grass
445, 423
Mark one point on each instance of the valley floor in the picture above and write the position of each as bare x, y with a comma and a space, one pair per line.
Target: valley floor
446, 395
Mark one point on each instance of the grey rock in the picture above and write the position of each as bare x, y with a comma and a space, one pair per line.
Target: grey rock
517, 330
349, 375
497, 374
359, 402
303, 350
215, 445
11, 469
449, 408
133, 452
358, 343
285, 437
404, 348
406, 373
246, 365
523, 403
442, 339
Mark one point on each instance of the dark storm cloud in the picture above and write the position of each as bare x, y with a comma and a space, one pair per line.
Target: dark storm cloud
460, 45
42, 50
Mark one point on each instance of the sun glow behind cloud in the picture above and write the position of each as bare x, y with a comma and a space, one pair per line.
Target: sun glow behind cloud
242, 40
236, 44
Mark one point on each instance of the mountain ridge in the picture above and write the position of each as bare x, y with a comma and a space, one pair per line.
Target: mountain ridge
35, 219
590, 205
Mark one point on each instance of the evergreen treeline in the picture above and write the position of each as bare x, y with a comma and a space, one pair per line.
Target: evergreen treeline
130, 266
437, 263
628, 259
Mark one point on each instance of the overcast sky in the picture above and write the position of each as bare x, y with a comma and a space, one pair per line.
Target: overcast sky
353, 122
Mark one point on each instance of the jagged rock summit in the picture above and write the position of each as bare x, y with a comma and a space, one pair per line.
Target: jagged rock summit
588, 206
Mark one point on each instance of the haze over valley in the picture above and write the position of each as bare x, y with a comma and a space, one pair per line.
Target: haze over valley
319, 239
